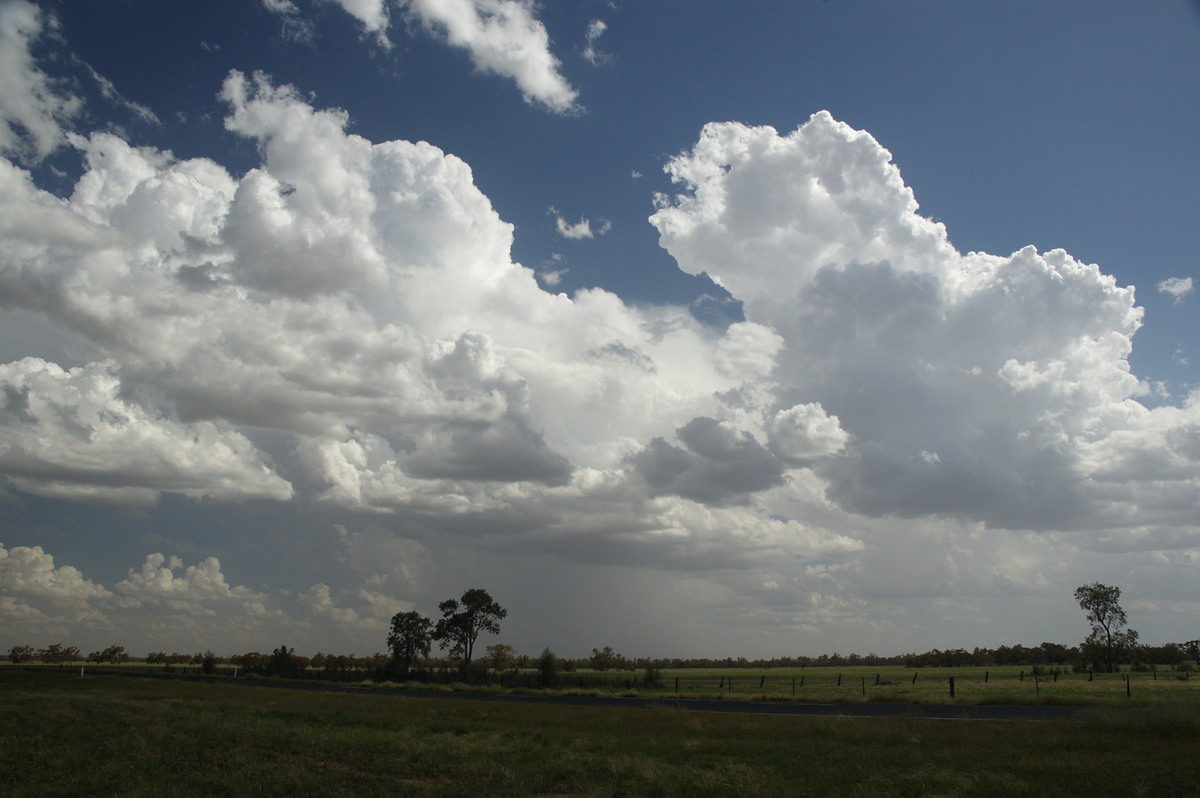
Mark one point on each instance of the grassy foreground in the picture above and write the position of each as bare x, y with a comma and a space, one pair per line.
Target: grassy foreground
100, 735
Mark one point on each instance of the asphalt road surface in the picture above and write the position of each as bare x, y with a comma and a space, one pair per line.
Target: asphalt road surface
810, 708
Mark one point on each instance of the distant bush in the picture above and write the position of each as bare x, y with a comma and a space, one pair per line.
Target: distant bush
548, 668
652, 676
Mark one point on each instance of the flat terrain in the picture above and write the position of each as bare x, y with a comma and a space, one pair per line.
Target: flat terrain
97, 735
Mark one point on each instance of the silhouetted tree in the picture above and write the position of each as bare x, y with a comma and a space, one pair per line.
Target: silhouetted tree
285, 663
464, 620
1109, 638
409, 638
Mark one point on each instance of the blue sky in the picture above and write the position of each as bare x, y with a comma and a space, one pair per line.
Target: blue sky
268, 375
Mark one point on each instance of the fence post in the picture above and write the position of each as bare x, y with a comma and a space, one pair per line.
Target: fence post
914, 681
762, 681
864, 686
676, 685
839, 684
1127, 685
952, 687
1037, 688
985, 676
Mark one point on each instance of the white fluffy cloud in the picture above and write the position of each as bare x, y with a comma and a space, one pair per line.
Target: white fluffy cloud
30, 100
165, 604
970, 385
578, 230
502, 37
191, 591
29, 572
361, 299
70, 435
1178, 287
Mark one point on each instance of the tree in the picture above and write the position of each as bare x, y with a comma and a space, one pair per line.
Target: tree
284, 662
603, 660
1109, 638
410, 638
57, 653
464, 620
19, 654
548, 668
499, 656
1191, 648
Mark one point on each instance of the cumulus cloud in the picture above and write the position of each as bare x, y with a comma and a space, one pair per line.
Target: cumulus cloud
503, 37
191, 591
802, 433
1178, 287
33, 106
975, 385
68, 434
39, 597
578, 230
28, 572
359, 299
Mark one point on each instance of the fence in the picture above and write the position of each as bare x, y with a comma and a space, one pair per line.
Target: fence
816, 684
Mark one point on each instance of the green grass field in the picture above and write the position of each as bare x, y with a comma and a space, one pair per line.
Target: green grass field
931, 685
973, 685
101, 735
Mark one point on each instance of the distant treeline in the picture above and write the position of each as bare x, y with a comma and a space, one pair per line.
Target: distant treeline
1047, 654
284, 661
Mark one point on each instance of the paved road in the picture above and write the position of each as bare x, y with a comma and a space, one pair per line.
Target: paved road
867, 709
838, 709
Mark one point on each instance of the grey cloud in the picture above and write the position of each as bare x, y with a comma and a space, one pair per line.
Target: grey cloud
507, 452
720, 465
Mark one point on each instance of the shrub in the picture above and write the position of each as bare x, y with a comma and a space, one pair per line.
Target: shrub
548, 668
652, 676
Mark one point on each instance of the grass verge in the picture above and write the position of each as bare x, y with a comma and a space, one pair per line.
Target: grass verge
70, 735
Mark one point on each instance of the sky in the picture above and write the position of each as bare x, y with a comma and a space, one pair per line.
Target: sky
690, 328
